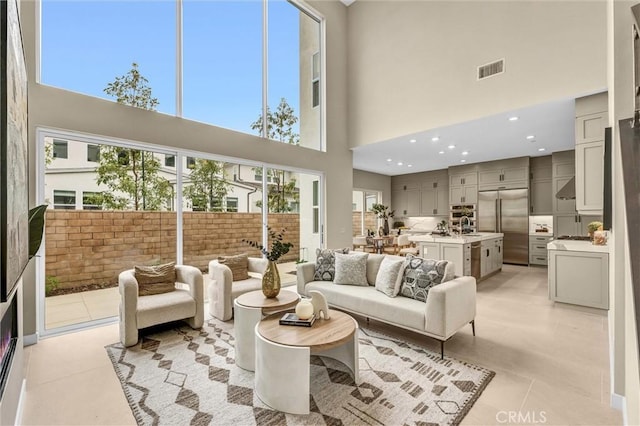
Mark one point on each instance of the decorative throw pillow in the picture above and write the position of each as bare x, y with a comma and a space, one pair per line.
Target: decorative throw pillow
420, 275
389, 276
325, 263
156, 279
351, 269
239, 265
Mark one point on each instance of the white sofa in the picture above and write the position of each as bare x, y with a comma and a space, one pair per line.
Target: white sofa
449, 306
222, 290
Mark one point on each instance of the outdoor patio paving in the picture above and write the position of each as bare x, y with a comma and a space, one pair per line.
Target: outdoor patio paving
93, 305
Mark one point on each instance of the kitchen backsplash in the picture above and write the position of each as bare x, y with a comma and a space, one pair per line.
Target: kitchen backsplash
422, 223
538, 224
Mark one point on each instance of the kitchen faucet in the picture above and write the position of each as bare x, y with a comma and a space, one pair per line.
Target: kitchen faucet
462, 224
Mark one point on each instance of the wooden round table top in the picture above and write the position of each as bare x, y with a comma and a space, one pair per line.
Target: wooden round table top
322, 335
255, 299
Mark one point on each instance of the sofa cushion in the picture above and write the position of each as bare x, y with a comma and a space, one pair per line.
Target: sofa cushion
422, 274
369, 302
373, 265
325, 263
351, 269
390, 276
239, 265
156, 279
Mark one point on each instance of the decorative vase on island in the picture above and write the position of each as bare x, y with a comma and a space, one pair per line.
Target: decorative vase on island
271, 281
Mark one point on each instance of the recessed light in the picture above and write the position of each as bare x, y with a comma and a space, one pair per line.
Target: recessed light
530, 137
389, 159
463, 161
409, 165
465, 152
399, 163
412, 141
435, 139
514, 118
441, 152
451, 146
541, 149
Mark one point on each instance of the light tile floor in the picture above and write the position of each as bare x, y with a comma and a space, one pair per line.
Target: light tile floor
551, 362
91, 305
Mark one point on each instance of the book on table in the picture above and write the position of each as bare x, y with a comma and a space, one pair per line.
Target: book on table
291, 318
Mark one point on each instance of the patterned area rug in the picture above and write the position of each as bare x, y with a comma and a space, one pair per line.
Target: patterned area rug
185, 376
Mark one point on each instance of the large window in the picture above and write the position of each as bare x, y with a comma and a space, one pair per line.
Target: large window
86, 46
64, 200
60, 149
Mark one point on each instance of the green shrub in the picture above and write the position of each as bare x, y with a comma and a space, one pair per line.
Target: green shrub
51, 284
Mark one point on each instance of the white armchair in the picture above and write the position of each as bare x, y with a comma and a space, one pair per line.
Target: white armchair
222, 290
137, 312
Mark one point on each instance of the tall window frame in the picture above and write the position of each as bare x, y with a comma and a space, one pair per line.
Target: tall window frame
179, 98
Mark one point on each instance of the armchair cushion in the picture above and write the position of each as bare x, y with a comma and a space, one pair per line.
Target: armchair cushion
156, 279
238, 264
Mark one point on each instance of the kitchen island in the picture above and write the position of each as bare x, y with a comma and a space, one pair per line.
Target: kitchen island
478, 254
579, 273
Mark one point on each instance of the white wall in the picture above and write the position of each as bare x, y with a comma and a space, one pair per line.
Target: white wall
412, 64
373, 182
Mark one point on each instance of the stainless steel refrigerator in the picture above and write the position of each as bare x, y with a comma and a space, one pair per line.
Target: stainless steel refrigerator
507, 211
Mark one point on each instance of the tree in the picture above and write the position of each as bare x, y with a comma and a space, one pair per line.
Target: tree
280, 124
280, 128
208, 186
131, 175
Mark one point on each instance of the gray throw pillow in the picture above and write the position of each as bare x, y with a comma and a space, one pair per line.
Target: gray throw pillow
389, 276
351, 269
420, 275
325, 263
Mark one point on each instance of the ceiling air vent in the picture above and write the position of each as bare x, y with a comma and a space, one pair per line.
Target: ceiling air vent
491, 69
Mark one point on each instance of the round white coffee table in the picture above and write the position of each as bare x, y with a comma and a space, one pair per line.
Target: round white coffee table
249, 309
282, 357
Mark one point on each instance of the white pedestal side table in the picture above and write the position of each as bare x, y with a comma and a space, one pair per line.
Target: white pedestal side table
282, 357
249, 309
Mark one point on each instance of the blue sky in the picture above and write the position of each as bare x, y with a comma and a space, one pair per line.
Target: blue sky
86, 44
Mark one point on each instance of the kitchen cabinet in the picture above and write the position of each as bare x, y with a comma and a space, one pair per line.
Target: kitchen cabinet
590, 127
467, 194
490, 256
506, 174
590, 177
541, 186
399, 200
538, 249
435, 196
573, 224
462, 179
579, 277
458, 254
405, 199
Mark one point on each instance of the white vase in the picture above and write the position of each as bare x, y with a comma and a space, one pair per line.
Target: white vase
304, 309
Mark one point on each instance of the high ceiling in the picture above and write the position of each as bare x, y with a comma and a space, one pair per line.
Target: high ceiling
538, 130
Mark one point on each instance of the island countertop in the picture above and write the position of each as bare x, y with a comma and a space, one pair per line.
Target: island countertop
480, 236
573, 245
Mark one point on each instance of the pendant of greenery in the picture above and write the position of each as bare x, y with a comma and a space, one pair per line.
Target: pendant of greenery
36, 228
278, 248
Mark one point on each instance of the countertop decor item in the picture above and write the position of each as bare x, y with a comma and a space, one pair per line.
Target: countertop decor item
271, 276
304, 309
319, 304
593, 227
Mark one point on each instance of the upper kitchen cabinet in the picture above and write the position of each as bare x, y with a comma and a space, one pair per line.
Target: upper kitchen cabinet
463, 185
541, 186
504, 174
591, 120
405, 199
434, 194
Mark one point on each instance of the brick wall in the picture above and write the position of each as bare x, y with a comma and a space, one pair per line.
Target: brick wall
86, 247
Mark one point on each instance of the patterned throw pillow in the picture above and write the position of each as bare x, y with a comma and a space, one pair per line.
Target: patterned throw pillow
351, 269
156, 279
420, 275
389, 276
238, 264
326, 263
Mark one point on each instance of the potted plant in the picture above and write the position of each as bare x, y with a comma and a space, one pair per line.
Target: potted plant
271, 277
382, 212
593, 227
